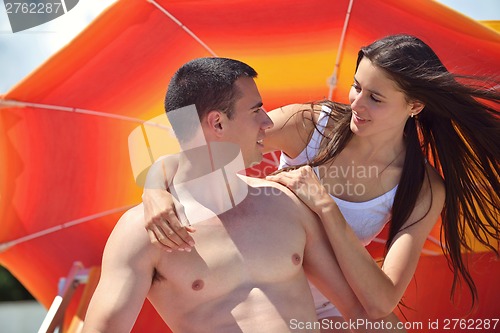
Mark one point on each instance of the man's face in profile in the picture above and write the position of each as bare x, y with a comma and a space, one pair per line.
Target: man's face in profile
249, 121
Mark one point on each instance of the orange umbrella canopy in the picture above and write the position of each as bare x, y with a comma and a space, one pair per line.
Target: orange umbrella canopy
67, 176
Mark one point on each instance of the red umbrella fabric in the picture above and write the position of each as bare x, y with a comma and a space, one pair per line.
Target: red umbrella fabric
69, 141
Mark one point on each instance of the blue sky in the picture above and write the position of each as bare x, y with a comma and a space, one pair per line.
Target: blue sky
477, 9
22, 52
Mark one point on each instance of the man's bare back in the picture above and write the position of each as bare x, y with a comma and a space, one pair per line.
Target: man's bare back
244, 275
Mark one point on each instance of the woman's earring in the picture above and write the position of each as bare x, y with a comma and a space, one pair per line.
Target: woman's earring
412, 115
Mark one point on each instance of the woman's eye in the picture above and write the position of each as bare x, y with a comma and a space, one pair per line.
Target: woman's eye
358, 90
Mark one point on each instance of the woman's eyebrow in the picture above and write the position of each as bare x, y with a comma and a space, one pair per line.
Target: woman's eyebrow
372, 91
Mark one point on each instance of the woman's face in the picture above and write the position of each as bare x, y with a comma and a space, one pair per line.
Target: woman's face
378, 105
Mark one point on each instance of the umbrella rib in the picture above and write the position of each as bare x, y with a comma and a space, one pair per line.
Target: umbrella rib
332, 81
148, 145
434, 240
7, 245
13, 103
180, 24
275, 161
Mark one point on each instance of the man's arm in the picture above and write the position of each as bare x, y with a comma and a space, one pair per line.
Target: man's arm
323, 269
126, 277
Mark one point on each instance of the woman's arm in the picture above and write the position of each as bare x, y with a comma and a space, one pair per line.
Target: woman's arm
379, 289
162, 210
293, 125
322, 268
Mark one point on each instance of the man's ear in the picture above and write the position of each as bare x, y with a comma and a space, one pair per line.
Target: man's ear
416, 107
216, 122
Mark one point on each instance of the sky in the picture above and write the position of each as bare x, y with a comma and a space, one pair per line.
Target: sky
22, 52
477, 9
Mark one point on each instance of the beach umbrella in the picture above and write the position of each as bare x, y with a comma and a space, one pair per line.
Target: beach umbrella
75, 140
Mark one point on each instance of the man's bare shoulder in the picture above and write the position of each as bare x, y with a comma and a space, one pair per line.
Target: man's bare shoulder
131, 219
130, 229
260, 182
277, 190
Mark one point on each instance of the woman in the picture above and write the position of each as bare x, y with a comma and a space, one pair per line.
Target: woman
413, 144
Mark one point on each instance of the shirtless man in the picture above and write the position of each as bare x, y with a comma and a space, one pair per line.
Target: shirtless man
248, 270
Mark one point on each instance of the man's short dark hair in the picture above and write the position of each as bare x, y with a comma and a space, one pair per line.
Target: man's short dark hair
208, 83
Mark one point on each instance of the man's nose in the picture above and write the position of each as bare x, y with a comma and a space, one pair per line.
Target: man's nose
266, 123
